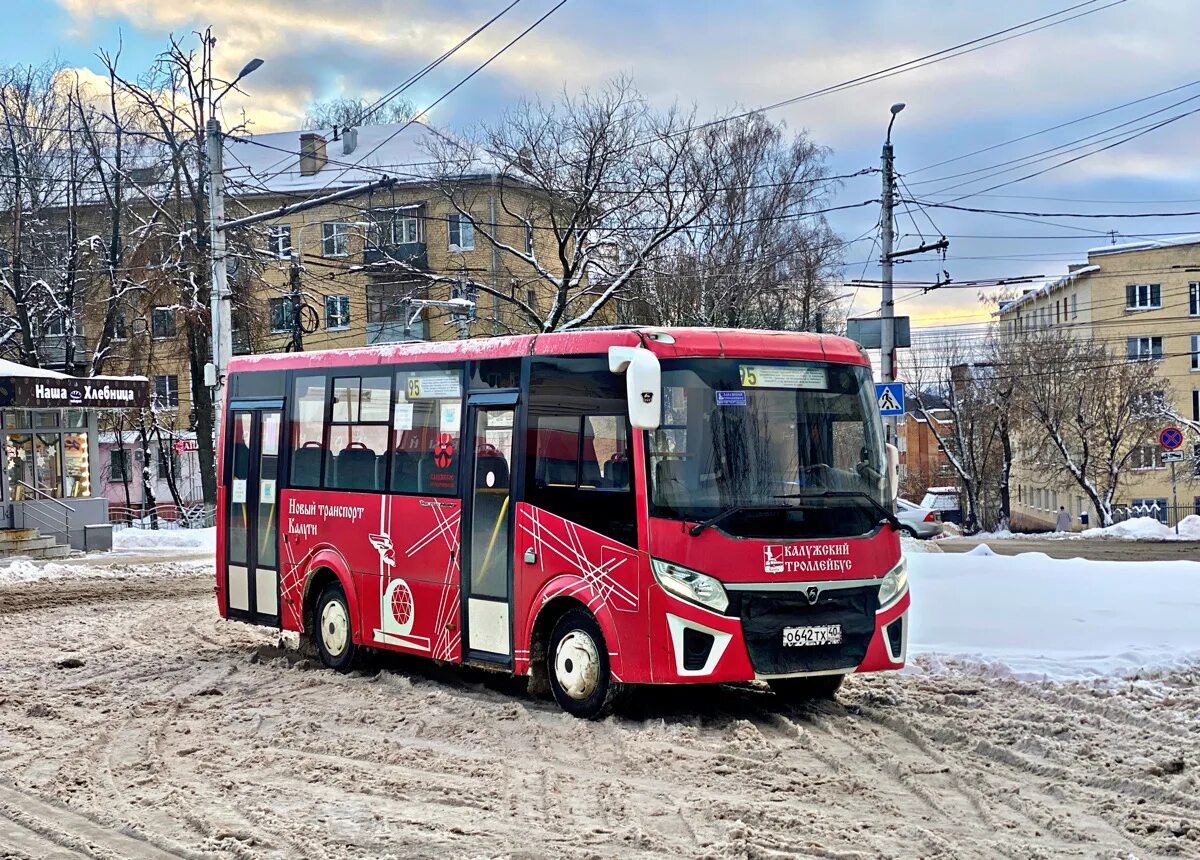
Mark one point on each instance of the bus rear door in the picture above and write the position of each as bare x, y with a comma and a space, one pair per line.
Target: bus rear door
252, 545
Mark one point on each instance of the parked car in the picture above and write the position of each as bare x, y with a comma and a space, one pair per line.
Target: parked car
917, 521
944, 502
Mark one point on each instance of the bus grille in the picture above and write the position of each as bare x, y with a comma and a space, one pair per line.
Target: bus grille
764, 615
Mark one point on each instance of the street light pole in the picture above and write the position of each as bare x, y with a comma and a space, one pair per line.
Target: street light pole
887, 336
220, 310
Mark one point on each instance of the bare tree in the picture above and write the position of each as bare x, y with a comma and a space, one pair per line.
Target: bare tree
344, 112
962, 396
1085, 410
758, 258
587, 190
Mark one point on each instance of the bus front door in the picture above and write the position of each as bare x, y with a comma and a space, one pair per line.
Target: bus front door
252, 545
488, 544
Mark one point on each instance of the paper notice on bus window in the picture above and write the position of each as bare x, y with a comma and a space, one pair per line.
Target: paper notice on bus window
403, 419
238, 494
433, 386
773, 376
450, 413
266, 492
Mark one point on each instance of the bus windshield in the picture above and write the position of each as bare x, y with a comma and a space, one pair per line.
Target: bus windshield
773, 449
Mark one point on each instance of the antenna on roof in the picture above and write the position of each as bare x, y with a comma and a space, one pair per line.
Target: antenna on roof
1113, 234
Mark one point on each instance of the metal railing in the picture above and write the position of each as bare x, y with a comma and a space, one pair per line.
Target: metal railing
162, 515
1168, 515
41, 515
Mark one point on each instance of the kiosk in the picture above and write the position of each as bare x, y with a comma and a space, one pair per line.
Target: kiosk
49, 461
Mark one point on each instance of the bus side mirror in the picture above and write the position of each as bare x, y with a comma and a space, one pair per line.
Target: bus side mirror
643, 383
893, 471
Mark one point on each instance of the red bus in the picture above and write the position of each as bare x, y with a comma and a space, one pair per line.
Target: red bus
593, 509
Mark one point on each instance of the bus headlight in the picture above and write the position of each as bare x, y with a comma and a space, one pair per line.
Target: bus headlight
893, 585
690, 584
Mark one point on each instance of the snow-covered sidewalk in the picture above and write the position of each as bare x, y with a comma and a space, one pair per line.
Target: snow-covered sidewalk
1138, 528
135, 552
1036, 617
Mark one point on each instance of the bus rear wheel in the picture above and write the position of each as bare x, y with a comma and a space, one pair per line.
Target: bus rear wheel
331, 629
812, 688
577, 666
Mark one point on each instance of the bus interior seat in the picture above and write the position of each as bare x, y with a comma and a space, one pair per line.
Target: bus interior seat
306, 465
406, 471
493, 463
616, 472
357, 468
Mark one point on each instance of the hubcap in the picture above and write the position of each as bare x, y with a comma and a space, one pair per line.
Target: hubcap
335, 628
577, 665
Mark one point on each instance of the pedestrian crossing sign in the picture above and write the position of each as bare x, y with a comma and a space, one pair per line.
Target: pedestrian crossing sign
891, 398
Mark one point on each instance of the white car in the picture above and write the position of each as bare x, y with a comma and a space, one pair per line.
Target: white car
917, 521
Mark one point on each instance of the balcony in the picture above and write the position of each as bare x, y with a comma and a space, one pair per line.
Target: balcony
411, 253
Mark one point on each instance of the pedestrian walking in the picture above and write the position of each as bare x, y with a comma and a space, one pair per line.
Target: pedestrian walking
1064, 520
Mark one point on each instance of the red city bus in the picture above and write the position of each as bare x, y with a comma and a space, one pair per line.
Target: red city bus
593, 509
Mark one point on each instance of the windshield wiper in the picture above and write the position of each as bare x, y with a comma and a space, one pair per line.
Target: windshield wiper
729, 512
888, 516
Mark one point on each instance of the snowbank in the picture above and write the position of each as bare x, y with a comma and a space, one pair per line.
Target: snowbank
165, 539
1035, 617
1148, 528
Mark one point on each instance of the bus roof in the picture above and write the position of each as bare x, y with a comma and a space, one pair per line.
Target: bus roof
664, 342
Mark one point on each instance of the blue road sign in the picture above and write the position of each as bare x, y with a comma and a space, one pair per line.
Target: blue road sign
891, 398
1170, 438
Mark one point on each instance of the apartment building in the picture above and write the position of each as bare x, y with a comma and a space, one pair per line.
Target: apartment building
1142, 299
923, 461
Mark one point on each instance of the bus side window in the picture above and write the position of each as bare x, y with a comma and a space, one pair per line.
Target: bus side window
358, 433
425, 430
307, 431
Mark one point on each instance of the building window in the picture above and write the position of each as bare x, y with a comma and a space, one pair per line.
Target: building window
120, 324
1144, 457
1194, 299
1143, 296
1057, 313
162, 322
166, 390
406, 229
281, 240
1144, 348
118, 465
337, 312
462, 232
1195, 404
1148, 404
282, 315
1195, 351
335, 239
528, 238
1074, 306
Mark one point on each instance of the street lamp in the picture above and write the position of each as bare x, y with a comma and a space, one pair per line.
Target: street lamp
896, 108
247, 69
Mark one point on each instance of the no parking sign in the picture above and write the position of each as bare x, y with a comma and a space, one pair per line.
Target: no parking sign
1171, 438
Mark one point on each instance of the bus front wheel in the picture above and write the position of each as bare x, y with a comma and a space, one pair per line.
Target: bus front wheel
331, 629
577, 666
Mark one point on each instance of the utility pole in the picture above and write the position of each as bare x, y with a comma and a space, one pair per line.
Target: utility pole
887, 313
297, 344
222, 323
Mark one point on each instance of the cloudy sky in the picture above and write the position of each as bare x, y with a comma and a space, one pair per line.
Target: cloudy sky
722, 55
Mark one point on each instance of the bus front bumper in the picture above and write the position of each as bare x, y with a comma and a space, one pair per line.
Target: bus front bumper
747, 642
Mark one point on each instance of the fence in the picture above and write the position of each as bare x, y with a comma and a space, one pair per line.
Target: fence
169, 516
1166, 514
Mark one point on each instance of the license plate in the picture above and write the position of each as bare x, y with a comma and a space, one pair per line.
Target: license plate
823, 634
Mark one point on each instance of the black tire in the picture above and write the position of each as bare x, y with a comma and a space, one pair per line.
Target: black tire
582, 689
331, 629
812, 688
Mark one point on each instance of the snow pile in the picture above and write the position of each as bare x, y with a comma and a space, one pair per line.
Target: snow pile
982, 550
1148, 528
1035, 617
101, 565
167, 539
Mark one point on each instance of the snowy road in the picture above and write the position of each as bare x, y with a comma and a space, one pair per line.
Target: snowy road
166, 732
